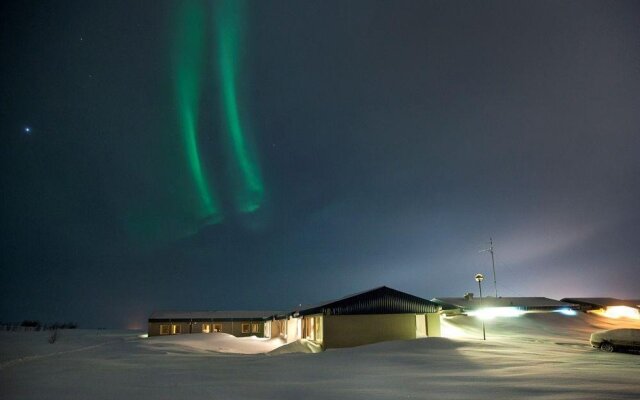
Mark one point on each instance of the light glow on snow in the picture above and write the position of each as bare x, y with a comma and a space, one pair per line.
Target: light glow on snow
493, 312
449, 330
567, 311
619, 312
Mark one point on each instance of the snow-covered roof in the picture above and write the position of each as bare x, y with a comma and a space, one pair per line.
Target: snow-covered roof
211, 315
521, 302
601, 301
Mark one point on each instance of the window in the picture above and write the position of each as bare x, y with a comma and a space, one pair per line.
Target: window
319, 332
175, 329
255, 328
165, 329
313, 328
308, 331
206, 328
267, 328
245, 328
217, 327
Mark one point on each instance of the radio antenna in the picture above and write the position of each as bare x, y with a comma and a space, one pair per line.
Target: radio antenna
493, 265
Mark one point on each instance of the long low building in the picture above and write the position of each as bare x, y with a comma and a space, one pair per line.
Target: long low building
367, 317
237, 323
470, 304
607, 306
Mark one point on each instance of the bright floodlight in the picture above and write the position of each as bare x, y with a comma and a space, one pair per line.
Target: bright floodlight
567, 311
479, 277
619, 312
493, 312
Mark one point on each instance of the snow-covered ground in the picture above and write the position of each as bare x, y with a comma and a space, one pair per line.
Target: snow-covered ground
212, 343
541, 356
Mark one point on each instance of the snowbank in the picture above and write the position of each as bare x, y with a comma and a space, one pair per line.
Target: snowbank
299, 346
213, 342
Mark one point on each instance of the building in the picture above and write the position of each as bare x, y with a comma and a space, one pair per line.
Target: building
372, 316
501, 306
237, 323
607, 306
367, 317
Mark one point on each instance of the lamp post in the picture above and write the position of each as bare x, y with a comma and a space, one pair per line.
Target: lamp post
479, 279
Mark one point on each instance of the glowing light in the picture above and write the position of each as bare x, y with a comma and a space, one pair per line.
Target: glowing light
449, 330
567, 311
27, 130
249, 194
619, 312
493, 312
189, 65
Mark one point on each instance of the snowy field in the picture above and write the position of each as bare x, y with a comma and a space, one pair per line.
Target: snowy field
538, 356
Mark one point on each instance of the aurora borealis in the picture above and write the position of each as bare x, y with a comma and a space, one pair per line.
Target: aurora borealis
223, 154
189, 50
249, 193
192, 49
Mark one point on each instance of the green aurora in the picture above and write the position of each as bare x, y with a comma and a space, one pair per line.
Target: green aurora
242, 178
189, 60
249, 190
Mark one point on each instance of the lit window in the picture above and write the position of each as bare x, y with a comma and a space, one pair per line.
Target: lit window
255, 328
245, 328
175, 329
217, 327
318, 329
165, 329
206, 328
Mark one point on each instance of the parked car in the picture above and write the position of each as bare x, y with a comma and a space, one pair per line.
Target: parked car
617, 340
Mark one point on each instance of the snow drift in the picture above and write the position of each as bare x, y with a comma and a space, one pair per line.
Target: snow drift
540, 356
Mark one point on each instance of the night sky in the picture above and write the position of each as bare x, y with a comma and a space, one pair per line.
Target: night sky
226, 155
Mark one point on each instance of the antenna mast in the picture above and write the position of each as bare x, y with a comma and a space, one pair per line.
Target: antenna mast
493, 265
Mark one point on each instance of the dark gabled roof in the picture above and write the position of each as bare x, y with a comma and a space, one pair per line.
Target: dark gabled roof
160, 316
525, 303
599, 302
380, 300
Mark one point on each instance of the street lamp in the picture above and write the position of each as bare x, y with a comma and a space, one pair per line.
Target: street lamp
479, 279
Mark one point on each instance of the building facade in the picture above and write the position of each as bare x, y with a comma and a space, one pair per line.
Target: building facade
372, 316
237, 323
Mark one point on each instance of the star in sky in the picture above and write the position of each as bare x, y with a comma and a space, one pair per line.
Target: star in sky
27, 130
